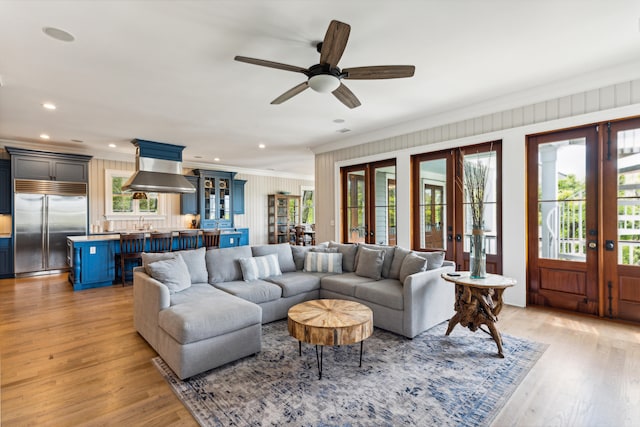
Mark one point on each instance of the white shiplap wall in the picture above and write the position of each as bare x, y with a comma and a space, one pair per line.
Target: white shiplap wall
511, 126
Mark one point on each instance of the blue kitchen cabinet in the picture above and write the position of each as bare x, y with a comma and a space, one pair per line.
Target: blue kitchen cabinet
6, 257
92, 263
189, 201
244, 236
238, 196
5, 186
42, 165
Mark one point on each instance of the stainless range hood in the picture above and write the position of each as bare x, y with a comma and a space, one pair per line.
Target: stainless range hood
158, 169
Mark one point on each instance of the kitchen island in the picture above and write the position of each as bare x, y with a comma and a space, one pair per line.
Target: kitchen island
92, 258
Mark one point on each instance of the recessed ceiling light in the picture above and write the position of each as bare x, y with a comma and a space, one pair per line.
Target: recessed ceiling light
197, 157
58, 34
77, 140
44, 136
216, 159
261, 146
49, 106
338, 121
343, 130
112, 145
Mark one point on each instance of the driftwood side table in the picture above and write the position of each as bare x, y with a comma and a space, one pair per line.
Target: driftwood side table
478, 302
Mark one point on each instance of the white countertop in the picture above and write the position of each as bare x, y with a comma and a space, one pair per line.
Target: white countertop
5, 235
115, 235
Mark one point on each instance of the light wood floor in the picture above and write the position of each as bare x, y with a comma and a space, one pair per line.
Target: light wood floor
73, 358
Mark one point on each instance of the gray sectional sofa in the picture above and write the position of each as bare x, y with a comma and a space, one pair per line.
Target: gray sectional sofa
201, 309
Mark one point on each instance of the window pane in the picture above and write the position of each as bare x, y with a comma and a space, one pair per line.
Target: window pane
355, 207
385, 203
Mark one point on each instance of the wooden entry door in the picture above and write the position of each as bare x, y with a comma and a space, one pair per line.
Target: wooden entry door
562, 171
369, 203
621, 219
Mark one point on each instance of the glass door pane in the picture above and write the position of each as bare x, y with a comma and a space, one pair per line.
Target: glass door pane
628, 195
562, 203
432, 205
384, 204
355, 207
484, 163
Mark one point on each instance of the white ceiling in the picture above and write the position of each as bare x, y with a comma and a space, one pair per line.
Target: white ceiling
164, 70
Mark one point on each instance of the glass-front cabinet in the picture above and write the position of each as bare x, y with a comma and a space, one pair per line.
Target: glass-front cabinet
216, 199
284, 215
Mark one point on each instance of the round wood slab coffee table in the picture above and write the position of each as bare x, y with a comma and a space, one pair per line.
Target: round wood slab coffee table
330, 322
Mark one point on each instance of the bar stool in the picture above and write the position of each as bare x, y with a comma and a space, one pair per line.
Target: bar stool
161, 242
131, 248
188, 239
211, 239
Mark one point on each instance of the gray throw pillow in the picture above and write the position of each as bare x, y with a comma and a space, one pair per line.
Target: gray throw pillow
348, 251
325, 250
388, 255
434, 259
196, 264
398, 257
173, 273
411, 264
370, 263
223, 265
298, 253
149, 257
284, 252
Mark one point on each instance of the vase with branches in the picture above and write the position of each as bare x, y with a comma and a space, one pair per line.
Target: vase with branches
476, 176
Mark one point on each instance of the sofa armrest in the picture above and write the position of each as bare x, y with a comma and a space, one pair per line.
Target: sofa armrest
149, 298
428, 300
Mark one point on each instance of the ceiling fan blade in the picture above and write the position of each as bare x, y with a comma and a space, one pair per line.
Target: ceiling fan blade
346, 96
290, 93
379, 72
271, 64
335, 40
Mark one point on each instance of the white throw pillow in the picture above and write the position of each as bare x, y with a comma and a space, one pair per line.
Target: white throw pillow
319, 262
260, 267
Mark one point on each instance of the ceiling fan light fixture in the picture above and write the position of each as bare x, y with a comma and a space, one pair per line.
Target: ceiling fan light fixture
324, 83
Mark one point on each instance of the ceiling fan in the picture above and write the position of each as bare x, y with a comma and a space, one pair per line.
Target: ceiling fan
326, 76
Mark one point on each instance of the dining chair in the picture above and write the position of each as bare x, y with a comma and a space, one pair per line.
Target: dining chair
188, 239
161, 242
211, 239
131, 247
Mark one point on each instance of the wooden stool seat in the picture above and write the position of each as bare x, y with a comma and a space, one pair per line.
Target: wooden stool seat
131, 248
161, 242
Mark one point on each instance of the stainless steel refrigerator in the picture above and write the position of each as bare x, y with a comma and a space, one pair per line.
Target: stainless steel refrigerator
45, 214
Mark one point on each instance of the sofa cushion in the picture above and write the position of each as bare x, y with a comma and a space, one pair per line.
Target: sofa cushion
343, 283
256, 291
282, 250
398, 257
434, 259
296, 283
369, 263
149, 257
200, 319
348, 251
195, 292
319, 262
223, 265
385, 292
196, 264
412, 264
259, 267
173, 273
388, 255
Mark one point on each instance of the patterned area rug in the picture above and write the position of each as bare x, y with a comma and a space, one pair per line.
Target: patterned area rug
430, 380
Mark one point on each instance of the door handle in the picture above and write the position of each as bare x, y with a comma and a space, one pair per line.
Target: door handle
458, 237
592, 244
609, 245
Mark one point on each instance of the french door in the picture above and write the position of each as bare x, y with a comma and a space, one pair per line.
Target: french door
584, 219
621, 219
369, 203
562, 220
441, 214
